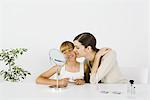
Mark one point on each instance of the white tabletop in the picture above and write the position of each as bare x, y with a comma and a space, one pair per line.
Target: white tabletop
32, 91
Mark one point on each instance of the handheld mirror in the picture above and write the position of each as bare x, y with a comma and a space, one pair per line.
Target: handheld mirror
57, 57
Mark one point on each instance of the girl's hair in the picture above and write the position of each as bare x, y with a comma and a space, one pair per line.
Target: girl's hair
87, 39
66, 45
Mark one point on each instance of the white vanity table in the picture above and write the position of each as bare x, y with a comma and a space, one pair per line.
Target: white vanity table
32, 91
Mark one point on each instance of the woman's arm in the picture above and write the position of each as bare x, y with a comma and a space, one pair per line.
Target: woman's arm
98, 56
100, 72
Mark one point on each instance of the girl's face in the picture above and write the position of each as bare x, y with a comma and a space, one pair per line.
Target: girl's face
79, 49
69, 54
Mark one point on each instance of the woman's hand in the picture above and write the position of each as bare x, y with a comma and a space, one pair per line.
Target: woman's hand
79, 81
102, 52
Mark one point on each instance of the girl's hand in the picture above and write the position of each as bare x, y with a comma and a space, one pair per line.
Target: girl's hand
63, 82
79, 81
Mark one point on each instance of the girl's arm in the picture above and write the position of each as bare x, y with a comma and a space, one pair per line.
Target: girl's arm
44, 78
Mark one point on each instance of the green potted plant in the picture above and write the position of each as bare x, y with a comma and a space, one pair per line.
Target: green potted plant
13, 72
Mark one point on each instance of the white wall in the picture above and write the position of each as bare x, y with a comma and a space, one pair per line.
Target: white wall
43, 24
0, 23
148, 28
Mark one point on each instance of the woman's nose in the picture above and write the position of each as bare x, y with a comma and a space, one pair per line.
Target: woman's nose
75, 50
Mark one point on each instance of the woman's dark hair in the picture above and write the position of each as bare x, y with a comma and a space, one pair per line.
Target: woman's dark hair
87, 39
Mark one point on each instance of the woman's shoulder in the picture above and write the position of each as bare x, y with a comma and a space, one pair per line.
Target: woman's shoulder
111, 54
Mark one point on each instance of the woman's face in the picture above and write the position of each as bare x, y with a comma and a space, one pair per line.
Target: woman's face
69, 54
79, 49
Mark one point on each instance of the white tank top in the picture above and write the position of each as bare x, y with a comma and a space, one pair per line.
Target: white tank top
72, 75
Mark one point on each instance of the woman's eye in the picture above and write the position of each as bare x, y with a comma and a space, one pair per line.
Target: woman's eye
76, 47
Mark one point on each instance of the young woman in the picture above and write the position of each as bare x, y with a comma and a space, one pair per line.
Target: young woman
102, 62
72, 71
